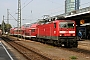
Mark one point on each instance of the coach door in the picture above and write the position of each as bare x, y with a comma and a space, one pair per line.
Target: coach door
55, 32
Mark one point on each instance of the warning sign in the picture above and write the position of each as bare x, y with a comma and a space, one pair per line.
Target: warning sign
82, 21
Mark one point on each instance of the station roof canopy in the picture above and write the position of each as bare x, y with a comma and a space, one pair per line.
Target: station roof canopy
83, 13
85, 24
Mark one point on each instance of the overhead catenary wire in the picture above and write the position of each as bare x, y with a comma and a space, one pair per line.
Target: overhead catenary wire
13, 17
53, 2
63, 6
50, 1
24, 5
25, 1
27, 4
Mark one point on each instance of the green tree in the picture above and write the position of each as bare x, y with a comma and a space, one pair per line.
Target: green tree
8, 27
5, 27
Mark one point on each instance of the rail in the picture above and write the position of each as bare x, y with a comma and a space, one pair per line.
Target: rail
27, 52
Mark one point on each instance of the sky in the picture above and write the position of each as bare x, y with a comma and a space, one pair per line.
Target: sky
32, 10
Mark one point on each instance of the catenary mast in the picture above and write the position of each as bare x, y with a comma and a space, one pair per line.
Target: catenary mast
19, 13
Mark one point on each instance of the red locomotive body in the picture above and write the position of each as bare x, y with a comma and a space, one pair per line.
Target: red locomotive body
59, 32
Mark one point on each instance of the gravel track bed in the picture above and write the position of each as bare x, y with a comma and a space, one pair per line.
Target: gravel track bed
29, 53
58, 53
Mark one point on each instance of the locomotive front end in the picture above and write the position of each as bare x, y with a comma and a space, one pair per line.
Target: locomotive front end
67, 33
67, 29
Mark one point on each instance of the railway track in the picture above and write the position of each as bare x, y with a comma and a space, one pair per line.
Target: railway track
28, 53
78, 50
81, 48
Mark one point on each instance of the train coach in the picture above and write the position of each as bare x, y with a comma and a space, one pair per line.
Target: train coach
30, 31
26, 31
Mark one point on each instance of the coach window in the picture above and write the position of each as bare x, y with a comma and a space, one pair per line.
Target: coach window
33, 30
54, 25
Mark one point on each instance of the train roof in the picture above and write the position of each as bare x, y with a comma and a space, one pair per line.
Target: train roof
26, 25
34, 25
52, 19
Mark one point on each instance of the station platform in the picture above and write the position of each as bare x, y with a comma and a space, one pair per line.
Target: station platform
7, 52
4, 54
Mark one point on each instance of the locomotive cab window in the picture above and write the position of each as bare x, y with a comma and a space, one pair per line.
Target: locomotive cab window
66, 25
63, 25
70, 25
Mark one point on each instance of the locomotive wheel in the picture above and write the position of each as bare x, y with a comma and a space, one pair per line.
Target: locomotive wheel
70, 44
59, 44
42, 41
55, 43
75, 44
38, 40
65, 45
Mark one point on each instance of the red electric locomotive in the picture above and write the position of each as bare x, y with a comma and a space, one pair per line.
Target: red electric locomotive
58, 32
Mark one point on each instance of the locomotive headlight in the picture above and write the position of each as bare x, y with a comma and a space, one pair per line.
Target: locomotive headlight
60, 34
73, 34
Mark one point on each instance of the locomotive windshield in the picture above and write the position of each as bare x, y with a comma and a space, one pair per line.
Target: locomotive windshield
66, 25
